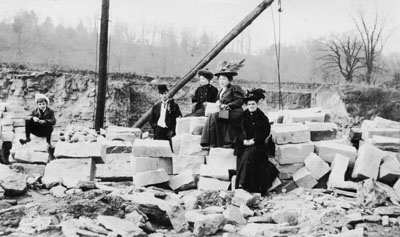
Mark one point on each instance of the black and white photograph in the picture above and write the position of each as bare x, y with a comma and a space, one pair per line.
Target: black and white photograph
230, 118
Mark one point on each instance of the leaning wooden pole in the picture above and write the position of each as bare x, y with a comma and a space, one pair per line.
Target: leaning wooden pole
212, 54
102, 85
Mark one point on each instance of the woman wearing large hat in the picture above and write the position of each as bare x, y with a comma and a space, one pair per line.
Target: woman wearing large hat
254, 171
203, 94
221, 132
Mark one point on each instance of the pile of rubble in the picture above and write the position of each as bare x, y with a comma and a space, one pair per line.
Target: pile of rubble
326, 186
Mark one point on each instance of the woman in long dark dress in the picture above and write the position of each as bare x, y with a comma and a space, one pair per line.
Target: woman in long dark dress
254, 173
221, 132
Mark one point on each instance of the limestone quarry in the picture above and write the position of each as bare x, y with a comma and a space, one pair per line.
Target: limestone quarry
338, 159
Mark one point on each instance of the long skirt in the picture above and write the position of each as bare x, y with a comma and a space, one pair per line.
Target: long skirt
255, 173
220, 132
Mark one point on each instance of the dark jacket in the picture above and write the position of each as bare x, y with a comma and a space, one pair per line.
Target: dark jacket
48, 116
232, 96
172, 113
205, 93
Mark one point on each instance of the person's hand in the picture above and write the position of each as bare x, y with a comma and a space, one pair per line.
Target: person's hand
35, 119
224, 106
218, 103
251, 142
42, 121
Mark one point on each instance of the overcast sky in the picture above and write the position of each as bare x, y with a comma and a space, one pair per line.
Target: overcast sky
301, 19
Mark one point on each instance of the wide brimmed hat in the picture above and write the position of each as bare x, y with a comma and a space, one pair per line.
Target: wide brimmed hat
205, 73
162, 88
255, 95
228, 68
39, 96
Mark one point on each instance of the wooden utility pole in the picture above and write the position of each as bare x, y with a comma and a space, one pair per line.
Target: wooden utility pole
212, 54
102, 85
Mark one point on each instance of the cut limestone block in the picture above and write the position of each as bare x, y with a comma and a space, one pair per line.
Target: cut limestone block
93, 150
307, 117
69, 172
7, 128
176, 144
211, 108
385, 143
116, 166
181, 163
338, 170
368, 129
386, 123
12, 107
151, 148
290, 133
142, 164
123, 133
396, 187
286, 171
2, 107
7, 117
182, 181
19, 122
197, 124
327, 150
303, 178
212, 184
150, 177
322, 131
368, 160
316, 166
293, 153
190, 145
223, 158
7, 136
5, 121
214, 172
183, 125
389, 170
115, 146
29, 156
19, 115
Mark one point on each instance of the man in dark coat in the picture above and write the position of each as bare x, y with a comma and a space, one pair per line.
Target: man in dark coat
41, 121
205, 93
163, 116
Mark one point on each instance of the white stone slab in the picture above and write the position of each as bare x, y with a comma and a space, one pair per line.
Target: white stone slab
212, 184
29, 156
211, 108
7, 128
385, 123
327, 151
308, 117
181, 163
190, 144
368, 161
116, 165
389, 170
322, 131
197, 124
293, 153
338, 170
19, 123
182, 181
151, 148
142, 164
303, 178
223, 158
68, 171
183, 125
290, 133
7, 136
214, 172
317, 166
123, 133
150, 177
368, 130
176, 144
80, 150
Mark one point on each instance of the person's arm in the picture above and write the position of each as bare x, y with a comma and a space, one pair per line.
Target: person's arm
238, 95
195, 96
263, 132
152, 118
213, 94
31, 115
50, 118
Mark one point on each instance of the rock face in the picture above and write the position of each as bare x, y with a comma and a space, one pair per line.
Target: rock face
151, 148
368, 161
290, 133
293, 153
68, 172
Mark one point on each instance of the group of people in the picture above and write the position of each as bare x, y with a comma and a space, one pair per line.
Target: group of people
247, 131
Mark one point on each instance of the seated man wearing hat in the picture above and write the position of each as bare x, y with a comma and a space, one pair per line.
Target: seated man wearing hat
205, 93
163, 116
41, 121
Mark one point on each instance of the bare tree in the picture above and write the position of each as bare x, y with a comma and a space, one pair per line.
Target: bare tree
342, 55
372, 41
